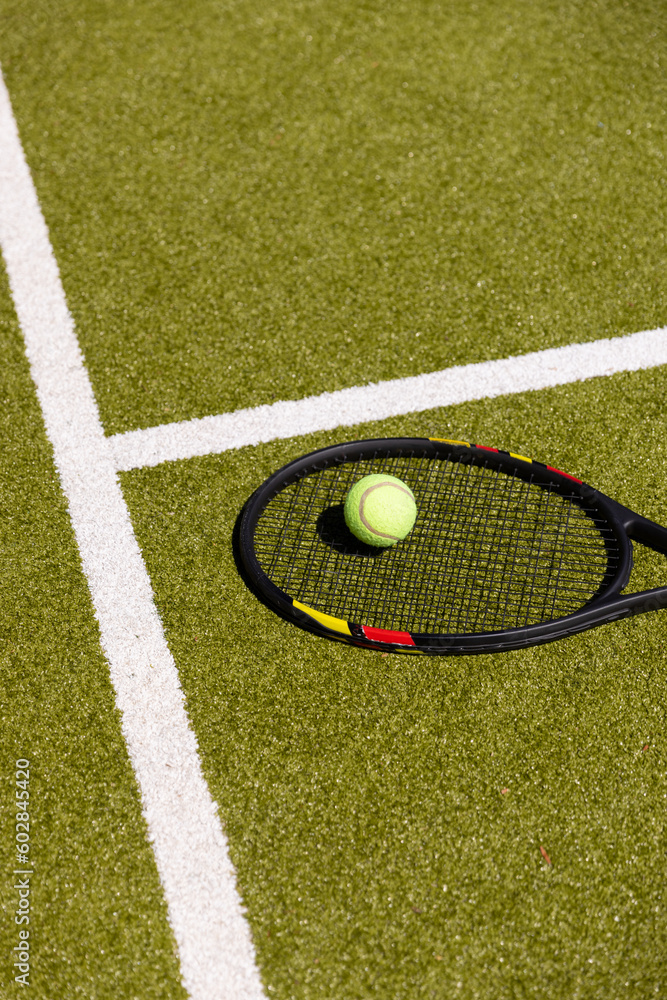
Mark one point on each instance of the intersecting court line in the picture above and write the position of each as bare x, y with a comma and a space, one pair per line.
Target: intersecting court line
213, 938
378, 401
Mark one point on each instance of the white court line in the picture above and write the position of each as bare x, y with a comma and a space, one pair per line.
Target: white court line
213, 937
347, 407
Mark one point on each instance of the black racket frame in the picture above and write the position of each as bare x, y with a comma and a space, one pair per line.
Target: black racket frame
607, 606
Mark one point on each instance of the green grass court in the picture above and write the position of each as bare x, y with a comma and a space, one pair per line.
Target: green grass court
252, 202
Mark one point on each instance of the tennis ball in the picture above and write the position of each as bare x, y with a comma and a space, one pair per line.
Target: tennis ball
380, 510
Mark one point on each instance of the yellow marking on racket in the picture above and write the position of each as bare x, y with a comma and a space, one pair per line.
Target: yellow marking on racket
449, 441
335, 624
522, 457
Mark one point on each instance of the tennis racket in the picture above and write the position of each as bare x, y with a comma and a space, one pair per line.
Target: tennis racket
506, 552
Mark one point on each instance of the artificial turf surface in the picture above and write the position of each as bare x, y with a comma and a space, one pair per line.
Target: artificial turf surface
363, 794
254, 201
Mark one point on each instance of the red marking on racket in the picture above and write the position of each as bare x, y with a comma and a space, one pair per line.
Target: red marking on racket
385, 635
566, 474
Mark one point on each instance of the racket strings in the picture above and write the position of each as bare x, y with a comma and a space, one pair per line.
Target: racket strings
489, 551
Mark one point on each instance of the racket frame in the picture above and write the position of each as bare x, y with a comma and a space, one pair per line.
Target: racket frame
607, 606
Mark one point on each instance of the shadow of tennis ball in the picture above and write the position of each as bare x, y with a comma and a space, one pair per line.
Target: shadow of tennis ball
334, 532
